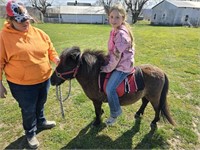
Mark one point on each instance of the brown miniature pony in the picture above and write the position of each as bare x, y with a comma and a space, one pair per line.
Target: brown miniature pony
85, 67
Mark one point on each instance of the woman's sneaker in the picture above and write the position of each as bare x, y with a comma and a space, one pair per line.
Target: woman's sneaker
33, 142
110, 121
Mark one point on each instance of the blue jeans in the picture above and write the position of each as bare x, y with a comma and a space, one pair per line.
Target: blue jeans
113, 100
31, 100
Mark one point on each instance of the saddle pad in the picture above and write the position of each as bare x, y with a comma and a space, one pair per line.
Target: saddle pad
133, 83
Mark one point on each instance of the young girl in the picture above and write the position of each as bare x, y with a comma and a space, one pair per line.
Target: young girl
121, 58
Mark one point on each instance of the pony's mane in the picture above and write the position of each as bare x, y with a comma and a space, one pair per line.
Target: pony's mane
93, 56
91, 60
94, 60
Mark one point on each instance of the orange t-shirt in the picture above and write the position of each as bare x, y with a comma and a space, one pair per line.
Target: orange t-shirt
25, 56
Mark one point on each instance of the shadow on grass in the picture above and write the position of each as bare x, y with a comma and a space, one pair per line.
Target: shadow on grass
21, 143
150, 141
91, 138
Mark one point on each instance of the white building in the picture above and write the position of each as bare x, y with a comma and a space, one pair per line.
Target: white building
76, 14
171, 12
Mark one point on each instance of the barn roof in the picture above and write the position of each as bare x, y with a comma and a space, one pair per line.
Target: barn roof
78, 10
181, 4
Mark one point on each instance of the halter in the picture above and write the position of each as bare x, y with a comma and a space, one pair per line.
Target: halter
73, 71
58, 88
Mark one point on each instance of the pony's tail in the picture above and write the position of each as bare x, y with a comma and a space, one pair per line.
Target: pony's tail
163, 102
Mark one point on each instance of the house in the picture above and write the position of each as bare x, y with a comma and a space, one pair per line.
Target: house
76, 14
146, 14
171, 12
78, 4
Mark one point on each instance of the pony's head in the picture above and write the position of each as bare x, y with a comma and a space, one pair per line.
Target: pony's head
72, 61
68, 66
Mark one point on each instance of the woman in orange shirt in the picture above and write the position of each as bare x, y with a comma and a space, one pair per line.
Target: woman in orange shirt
25, 55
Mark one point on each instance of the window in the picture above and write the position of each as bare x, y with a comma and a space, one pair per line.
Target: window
154, 16
163, 16
186, 18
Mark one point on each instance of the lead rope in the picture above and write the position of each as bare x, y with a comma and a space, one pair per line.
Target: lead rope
60, 97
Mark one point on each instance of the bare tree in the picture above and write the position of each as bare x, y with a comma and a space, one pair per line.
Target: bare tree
41, 5
132, 6
107, 4
135, 7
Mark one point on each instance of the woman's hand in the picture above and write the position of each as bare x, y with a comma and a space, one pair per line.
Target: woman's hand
3, 91
56, 60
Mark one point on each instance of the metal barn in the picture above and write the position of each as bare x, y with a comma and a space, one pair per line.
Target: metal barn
76, 14
172, 13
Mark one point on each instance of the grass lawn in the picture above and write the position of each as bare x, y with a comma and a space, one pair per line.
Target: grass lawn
176, 50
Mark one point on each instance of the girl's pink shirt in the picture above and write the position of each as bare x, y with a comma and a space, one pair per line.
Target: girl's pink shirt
120, 50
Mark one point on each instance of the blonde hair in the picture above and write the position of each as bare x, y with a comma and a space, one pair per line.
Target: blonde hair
122, 11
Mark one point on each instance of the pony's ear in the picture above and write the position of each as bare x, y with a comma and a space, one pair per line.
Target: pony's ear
75, 52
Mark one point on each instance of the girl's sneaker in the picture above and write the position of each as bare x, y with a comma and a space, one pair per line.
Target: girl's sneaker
110, 121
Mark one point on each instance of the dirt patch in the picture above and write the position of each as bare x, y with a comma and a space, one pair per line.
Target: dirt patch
196, 127
175, 143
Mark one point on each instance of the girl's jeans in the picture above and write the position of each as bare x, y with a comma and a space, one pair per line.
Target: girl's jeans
31, 100
115, 79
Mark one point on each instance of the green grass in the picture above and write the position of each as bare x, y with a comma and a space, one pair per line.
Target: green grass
174, 49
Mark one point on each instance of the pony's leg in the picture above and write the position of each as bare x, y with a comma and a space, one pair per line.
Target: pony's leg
98, 111
157, 116
142, 108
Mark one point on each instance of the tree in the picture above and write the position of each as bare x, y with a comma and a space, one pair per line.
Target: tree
41, 5
107, 4
132, 6
135, 7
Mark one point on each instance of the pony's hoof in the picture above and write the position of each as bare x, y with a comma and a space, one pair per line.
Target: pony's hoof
153, 126
96, 123
137, 116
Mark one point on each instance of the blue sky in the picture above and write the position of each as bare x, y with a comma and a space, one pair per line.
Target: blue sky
150, 3
80, 1
88, 1
61, 2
